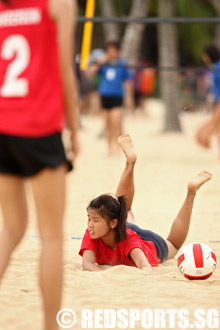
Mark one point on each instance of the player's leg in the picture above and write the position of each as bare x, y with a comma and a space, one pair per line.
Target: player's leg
180, 226
126, 185
108, 132
14, 211
49, 193
115, 124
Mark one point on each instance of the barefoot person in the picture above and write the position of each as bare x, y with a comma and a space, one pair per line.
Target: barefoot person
211, 58
115, 82
112, 237
37, 88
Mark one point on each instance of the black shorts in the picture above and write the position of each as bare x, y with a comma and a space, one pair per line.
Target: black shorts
109, 103
147, 235
27, 156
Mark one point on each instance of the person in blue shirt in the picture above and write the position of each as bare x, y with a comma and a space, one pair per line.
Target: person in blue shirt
211, 58
115, 82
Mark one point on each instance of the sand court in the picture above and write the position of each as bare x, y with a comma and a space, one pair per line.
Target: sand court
165, 164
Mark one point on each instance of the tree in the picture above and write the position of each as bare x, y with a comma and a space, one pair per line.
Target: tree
167, 43
111, 30
134, 32
194, 37
216, 5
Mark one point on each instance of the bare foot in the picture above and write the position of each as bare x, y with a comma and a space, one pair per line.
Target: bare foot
125, 142
199, 180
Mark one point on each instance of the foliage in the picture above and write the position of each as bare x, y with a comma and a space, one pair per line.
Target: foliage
194, 37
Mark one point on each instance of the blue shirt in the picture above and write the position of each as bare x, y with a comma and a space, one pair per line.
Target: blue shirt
112, 78
216, 81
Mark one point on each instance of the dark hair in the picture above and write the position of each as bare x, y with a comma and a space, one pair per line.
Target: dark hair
213, 53
113, 43
109, 208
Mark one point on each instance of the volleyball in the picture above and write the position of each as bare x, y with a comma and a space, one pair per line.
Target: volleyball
196, 261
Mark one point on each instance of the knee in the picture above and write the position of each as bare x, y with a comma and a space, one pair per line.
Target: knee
51, 236
14, 235
172, 249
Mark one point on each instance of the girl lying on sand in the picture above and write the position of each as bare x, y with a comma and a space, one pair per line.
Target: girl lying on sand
112, 238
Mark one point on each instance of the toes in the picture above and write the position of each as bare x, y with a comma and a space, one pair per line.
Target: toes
123, 136
206, 173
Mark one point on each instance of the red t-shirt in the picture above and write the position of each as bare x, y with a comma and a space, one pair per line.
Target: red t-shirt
119, 256
31, 96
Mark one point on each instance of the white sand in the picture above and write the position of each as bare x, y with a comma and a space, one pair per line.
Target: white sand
165, 164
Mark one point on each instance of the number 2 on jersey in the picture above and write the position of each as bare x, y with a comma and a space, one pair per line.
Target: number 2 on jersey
13, 85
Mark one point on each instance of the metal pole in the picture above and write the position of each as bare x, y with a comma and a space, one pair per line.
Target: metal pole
87, 34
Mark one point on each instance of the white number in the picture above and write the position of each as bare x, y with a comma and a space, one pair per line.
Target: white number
13, 86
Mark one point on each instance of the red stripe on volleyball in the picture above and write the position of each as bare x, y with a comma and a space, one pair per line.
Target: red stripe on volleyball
198, 255
180, 259
204, 277
214, 256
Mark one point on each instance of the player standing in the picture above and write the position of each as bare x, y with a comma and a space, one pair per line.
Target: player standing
211, 58
116, 82
37, 96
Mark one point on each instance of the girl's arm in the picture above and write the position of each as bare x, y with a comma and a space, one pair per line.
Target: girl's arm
139, 258
89, 258
94, 68
64, 14
92, 71
129, 88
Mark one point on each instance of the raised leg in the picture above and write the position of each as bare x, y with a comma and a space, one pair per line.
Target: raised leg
49, 193
14, 210
126, 184
180, 226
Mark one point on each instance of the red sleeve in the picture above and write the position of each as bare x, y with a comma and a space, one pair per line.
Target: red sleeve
88, 244
132, 242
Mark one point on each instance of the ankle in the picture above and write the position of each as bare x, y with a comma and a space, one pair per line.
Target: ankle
130, 164
191, 192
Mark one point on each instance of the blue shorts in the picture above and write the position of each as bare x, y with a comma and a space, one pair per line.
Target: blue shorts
147, 235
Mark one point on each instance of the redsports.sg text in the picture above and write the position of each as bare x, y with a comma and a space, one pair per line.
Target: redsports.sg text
139, 319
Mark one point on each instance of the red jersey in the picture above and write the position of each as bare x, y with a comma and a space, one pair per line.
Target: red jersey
119, 256
31, 97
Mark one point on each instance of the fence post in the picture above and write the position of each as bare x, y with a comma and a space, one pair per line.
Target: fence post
87, 35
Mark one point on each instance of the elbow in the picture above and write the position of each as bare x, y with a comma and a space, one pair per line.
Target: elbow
85, 266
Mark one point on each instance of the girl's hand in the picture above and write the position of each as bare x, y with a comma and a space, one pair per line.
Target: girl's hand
129, 103
103, 60
147, 270
75, 146
204, 134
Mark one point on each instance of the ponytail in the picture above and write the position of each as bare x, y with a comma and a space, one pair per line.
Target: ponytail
120, 230
111, 208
